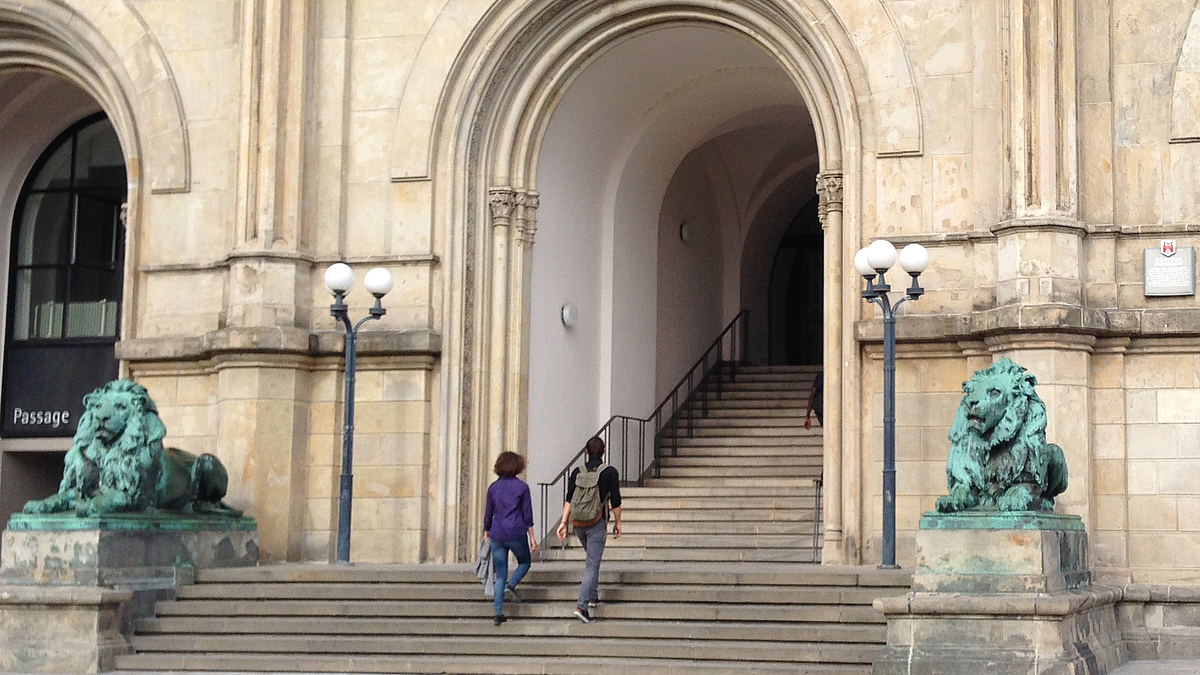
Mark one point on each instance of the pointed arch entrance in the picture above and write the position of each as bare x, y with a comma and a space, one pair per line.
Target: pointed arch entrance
494, 121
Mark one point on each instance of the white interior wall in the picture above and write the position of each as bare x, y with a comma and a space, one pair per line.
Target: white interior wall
613, 146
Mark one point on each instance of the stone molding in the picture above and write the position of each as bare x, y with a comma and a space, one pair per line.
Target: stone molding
860, 33
1185, 86
281, 341
107, 50
1049, 319
1055, 603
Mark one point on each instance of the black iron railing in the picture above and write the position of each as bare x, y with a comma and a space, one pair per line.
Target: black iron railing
627, 439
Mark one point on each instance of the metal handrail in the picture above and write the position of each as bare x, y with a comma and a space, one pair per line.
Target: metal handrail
710, 367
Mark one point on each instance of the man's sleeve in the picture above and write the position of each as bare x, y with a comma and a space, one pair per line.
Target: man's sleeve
570, 486
614, 486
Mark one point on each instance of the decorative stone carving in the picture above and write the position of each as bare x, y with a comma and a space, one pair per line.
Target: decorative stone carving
502, 201
999, 456
117, 463
528, 203
829, 192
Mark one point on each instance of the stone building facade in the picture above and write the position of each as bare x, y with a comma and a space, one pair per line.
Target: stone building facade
504, 158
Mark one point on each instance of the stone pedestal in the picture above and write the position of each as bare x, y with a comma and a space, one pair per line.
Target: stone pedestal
1003, 594
73, 587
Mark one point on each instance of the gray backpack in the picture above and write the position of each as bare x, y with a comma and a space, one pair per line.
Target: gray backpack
585, 502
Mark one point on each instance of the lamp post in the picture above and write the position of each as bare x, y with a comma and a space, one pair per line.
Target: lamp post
871, 262
339, 278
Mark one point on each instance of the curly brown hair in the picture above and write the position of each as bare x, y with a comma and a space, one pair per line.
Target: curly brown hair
509, 464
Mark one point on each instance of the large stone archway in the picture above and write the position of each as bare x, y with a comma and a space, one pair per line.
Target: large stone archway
492, 120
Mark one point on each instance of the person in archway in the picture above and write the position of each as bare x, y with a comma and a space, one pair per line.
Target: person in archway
508, 524
593, 492
816, 401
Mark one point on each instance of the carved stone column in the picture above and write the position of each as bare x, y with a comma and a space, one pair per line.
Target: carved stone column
262, 398
1040, 261
829, 191
503, 202
1039, 240
525, 222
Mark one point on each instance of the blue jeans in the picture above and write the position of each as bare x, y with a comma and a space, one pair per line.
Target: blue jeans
592, 539
500, 549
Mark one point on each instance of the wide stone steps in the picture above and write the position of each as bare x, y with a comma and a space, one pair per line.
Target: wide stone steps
808, 442
797, 528
592, 647
734, 471
719, 462
528, 626
715, 554
558, 664
750, 516
672, 619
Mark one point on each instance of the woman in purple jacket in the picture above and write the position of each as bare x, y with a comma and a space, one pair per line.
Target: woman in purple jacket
507, 522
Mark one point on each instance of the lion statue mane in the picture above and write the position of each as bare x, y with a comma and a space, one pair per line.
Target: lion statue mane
999, 457
117, 463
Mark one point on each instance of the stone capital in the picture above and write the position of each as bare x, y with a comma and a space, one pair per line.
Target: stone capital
829, 190
501, 201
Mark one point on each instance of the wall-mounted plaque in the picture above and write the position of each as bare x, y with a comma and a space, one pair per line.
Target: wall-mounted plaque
1169, 270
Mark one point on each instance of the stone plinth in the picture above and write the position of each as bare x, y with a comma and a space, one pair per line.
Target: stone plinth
1029, 552
1002, 594
68, 629
75, 586
128, 550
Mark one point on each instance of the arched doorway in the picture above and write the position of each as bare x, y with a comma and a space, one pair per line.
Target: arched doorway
500, 112
63, 184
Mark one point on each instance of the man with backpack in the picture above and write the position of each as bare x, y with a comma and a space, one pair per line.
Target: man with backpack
593, 490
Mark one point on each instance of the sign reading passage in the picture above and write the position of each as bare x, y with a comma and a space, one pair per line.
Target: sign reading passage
44, 386
1169, 270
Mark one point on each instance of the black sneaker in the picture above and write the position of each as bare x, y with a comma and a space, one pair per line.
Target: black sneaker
582, 615
593, 602
510, 594
500, 618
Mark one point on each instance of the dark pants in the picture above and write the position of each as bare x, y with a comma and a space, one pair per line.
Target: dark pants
500, 549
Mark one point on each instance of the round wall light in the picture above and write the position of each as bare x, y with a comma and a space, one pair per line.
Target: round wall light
570, 315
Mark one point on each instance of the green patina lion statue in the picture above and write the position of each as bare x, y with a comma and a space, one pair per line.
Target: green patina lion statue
999, 456
117, 463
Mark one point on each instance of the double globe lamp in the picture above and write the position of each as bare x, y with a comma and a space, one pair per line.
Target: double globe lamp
339, 279
872, 263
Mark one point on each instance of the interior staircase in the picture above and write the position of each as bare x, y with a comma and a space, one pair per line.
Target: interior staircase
705, 579
653, 618
742, 485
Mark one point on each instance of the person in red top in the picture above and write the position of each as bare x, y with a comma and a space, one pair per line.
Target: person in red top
508, 524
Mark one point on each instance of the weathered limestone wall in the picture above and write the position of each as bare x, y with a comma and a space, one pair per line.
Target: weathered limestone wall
273, 138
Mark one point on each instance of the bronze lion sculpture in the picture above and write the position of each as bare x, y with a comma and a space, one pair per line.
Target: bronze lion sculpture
117, 463
999, 457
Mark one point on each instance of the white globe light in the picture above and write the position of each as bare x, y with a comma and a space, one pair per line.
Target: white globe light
881, 255
914, 258
860, 264
378, 281
339, 278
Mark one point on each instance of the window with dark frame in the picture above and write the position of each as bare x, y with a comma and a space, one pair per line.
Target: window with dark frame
65, 279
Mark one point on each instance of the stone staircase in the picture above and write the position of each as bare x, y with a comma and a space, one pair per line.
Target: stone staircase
705, 579
653, 618
743, 486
